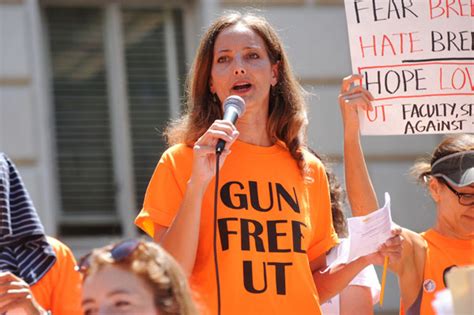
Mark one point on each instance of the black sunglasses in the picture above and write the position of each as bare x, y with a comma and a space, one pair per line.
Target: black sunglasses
118, 252
463, 198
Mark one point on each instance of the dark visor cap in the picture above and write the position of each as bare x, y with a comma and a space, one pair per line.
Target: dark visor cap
457, 168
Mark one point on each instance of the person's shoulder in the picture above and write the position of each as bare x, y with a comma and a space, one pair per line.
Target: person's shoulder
312, 160
177, 157
178, 148
176, 151
59, 247
176, 154
413, 251
410, 267
414, 239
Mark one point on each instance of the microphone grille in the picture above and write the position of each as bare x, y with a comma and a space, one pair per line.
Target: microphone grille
237, 102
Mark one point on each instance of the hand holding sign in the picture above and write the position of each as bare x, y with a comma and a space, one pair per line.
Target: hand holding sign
352, 98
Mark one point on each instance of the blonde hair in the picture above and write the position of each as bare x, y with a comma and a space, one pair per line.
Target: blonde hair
450, 144
158, 269
287, 120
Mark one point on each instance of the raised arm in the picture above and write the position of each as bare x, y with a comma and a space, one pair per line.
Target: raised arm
181, 238
360, 192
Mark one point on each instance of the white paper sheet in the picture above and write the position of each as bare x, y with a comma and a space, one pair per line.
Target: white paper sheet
366, 234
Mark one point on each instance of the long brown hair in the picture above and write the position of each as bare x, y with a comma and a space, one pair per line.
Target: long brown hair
337, 204
451, 144
287, 119
337, 195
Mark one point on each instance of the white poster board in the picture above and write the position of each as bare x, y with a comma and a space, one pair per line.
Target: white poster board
417, 58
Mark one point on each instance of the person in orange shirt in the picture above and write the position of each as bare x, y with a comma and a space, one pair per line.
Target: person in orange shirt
37, 273
57, 292
449, 176
255, 244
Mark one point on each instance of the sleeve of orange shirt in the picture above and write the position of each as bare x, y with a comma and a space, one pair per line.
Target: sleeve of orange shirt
166, 190
59, 291
324, 235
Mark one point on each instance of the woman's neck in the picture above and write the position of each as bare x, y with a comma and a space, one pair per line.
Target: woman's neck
253, 129
447, 229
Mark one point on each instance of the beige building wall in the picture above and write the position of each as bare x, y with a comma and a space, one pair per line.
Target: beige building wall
26, 105
24, 122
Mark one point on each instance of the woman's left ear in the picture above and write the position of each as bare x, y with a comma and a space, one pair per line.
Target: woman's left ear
211, 87
434, 186
275, 68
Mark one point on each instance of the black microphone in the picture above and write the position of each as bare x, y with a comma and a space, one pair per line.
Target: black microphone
234, 107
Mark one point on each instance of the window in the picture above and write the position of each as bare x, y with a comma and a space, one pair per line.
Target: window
115, 81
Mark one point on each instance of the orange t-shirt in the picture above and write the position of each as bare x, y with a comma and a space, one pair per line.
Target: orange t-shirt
442, 254
271, 224
59, 291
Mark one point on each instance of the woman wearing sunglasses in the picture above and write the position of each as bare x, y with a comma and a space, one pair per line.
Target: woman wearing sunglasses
134, 277
449, 177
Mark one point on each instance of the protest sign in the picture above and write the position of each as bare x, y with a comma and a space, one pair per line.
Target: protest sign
417, 60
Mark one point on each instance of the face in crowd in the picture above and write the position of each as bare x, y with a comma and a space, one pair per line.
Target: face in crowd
134, 277
241, 66
451, 184
114, 290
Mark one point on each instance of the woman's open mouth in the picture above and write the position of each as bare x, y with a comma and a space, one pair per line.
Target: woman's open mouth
242, 87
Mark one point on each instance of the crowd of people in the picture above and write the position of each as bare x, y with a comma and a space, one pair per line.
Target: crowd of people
252, 229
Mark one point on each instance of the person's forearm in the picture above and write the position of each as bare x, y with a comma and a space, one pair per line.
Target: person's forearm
333, 281
360, 191
182, 237
356, 299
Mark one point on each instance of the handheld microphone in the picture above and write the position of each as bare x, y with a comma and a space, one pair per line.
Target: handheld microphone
234, 107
